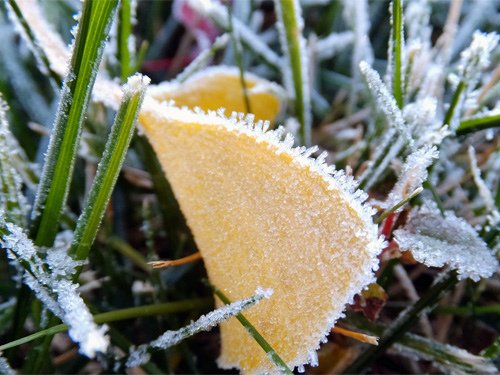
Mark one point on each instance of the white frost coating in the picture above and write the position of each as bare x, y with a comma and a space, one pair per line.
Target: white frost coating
140, 355
385, 101
55, 289
333, 44
136, 84
218, 13
5, 366
82, 329
476, 57
414, 173
484, 192
437, 241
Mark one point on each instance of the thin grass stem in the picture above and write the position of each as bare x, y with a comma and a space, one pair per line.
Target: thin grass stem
478, 123
454, 103
293, 44
400, 204
397, 45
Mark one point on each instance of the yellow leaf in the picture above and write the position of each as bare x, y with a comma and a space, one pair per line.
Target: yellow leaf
220, 87
264, 214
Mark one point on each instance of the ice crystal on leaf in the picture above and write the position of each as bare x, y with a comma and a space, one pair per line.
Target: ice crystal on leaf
437, 241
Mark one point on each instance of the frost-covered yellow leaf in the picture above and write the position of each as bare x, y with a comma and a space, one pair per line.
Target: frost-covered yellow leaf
264, 214
220, 87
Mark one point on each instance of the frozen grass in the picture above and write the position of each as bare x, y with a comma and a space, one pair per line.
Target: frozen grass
81, 218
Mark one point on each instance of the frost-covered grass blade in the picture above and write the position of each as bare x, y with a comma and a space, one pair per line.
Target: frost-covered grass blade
93, 28
109, 168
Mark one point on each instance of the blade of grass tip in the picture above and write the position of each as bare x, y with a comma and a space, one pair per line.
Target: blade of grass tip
397, 50
143, 49
403, 323
38, 51
109, 168
124, 34
93, 29
238, 55
290, 27
117, 315
478, 123
271, 353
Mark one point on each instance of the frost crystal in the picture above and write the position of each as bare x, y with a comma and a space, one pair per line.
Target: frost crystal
385, 101
82, 328
55, 289
476, 57
170, 338
413, 175
437, 241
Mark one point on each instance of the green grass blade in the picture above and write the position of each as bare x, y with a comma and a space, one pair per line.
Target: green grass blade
397, 206
54, 185
109, 167
293, 44
478, 123
271, 353
397, 51
454, 103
